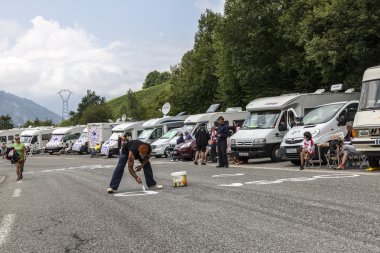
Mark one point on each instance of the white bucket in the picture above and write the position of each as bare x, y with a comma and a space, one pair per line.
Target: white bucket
179, 178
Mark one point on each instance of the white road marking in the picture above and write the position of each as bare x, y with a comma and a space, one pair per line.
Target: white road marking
17, 193
136, 193
5, 227
89, 167
228, 175
2, 179
298, 179
19, 182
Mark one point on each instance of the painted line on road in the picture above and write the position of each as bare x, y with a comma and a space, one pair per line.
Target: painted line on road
19, 182
5, 227
296, 179
89, 167
229, 175
17, 193
2, 179
136, 193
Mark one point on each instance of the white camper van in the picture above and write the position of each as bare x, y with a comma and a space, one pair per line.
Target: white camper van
8, 136
111, 146
367, 120
81, 145
231, 117
99, 133
271, 117
62, 138
36, 138
155, 128
322, 122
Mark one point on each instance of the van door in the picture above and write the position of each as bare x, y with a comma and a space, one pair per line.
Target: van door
291, 118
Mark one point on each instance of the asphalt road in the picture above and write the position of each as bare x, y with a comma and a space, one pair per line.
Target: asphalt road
61, 205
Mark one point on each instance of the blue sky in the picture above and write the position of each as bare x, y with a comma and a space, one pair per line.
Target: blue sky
106, 46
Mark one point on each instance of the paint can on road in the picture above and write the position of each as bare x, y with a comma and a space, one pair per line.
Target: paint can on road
179, 178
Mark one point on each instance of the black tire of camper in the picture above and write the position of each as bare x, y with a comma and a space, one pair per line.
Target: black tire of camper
276, 154
373, 162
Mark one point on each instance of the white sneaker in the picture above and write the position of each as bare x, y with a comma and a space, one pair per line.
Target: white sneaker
110, 190
157, 186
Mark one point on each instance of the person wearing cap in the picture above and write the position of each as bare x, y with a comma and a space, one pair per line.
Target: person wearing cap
21, 151
131, 151
222, 134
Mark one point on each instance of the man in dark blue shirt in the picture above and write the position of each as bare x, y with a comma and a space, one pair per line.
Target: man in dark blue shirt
222, 135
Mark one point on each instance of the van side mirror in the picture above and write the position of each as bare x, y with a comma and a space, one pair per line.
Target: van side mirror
282, 127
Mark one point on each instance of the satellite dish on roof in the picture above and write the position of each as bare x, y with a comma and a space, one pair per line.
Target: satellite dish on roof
123, 117
165, 109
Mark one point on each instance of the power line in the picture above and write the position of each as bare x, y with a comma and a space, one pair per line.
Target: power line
65, 96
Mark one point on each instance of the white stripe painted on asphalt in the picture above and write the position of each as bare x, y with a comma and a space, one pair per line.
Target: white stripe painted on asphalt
5, 227
19, 182
229, 175
17, 193
136, 193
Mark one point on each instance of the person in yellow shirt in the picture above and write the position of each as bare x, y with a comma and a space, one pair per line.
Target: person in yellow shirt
21, 151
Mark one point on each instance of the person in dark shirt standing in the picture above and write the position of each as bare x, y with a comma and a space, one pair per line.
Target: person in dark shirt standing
131, 151
222, 135
202, 137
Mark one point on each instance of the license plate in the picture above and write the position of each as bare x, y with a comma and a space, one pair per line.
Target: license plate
377, 142
291, 150
243, 154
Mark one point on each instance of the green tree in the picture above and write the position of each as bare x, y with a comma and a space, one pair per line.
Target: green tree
132, 107
194, 80
96, 113
6, 122
90, 99
38, 122
155, 77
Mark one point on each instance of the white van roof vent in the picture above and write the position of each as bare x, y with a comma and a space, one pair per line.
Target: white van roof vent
319, 91
350, 90
337, 87
234, 109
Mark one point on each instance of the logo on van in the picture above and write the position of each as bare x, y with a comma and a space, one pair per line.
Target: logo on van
271, 103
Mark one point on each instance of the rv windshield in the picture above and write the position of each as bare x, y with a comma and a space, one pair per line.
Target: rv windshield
370, 95
25, 139
321, 114
170, 134
57, 138
83, 135
261, 120
145, 134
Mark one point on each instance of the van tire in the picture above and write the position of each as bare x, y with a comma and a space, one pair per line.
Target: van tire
296, 162
276, 154
373, 162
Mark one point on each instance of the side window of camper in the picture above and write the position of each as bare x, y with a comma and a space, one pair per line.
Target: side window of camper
45, 137
351, 111
157, 133
3, 138
10, 138
34, 140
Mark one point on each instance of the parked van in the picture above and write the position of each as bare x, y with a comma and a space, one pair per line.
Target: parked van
8, 136
232, 116
63, 137
367, 120
111, 146
155, 128
322, 122
36, 138
270, 118
81, 145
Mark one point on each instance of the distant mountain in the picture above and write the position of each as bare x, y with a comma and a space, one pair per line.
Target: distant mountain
22, 109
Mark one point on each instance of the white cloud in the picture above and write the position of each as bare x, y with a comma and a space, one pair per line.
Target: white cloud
215, 5
9, 28
48, 57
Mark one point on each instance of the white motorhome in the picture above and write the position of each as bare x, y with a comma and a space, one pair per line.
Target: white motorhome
155, 128
81, 145
111, 146
7, 136
367, 120
63, 137
36, 138
99, 133
232, 116
271, 117
322, 122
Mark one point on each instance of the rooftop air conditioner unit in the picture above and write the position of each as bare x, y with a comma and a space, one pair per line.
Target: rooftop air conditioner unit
337, 87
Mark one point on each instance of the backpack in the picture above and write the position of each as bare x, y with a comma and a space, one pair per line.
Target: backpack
12, 155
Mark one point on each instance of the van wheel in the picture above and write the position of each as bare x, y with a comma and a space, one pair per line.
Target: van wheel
296, 162
276, 154
166, 153
373, 162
